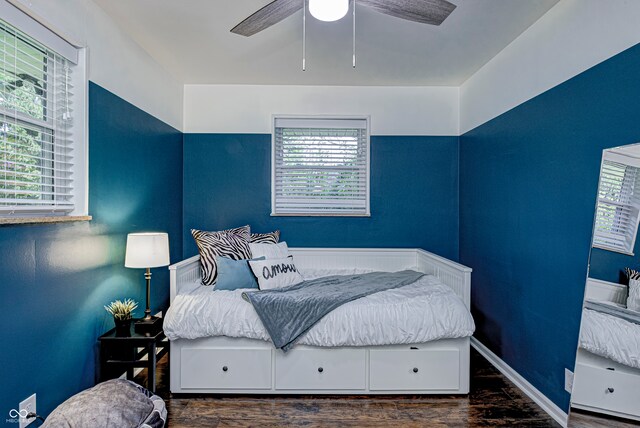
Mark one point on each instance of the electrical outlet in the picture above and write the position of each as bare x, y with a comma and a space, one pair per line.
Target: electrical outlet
568, 380
28, 405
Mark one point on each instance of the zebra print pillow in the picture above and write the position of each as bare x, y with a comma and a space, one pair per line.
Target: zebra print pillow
265, 238
231, 243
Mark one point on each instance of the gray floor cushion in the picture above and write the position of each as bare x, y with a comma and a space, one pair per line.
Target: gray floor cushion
114, 403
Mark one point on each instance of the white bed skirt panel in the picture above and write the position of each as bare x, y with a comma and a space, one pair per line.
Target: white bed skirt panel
247, 366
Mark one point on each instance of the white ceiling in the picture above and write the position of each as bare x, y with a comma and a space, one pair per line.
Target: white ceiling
191, 39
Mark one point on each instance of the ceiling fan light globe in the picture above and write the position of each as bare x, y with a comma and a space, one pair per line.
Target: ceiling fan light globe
328, 10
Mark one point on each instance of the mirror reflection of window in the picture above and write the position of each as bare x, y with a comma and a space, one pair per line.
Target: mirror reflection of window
616, 222
606, 387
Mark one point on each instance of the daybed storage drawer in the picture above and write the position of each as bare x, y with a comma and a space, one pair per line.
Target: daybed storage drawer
606, 389
321, 369
414, 369
225, 368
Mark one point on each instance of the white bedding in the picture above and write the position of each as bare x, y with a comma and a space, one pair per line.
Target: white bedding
420, 312
611, 337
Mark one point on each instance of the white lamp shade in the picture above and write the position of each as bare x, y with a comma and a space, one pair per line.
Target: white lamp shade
147, 250
328, 10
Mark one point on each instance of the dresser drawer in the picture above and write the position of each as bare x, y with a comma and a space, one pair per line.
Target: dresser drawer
606, 389
414, 369
321, 369
225, 368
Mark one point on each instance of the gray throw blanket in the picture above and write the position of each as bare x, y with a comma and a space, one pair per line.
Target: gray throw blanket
288, 313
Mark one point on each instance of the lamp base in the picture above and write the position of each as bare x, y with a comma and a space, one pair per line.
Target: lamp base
152, 325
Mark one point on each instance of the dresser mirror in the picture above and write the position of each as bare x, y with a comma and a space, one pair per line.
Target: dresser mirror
606, 381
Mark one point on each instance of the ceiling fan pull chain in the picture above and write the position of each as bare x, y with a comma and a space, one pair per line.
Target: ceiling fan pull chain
354, 33
304, 35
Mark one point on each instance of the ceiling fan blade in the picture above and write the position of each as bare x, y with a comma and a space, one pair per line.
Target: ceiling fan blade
269, 15
424, 11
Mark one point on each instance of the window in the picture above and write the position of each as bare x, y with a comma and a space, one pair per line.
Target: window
320, 167
41, 132
616, 223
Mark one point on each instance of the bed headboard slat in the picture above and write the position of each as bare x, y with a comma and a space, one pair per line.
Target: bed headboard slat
453, 274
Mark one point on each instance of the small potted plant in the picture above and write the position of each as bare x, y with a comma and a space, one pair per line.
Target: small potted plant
122, 315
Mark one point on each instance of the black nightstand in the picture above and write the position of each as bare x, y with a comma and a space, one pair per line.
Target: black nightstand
124, 353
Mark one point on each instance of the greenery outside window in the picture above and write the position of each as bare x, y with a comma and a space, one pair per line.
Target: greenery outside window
40, 140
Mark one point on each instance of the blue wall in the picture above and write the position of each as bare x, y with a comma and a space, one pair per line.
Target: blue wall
414, 194
528, 182
56, 278
609, 265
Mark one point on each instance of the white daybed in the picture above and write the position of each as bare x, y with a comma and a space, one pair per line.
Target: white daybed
239, 365
601, 384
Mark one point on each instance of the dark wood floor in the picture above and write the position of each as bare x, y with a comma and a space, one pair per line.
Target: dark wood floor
582, 419
493, 401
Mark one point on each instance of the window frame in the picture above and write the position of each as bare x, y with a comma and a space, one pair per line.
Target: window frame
24, 21
366, 119
617, 158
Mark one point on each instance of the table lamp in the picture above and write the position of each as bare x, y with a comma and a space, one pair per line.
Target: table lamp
147, 250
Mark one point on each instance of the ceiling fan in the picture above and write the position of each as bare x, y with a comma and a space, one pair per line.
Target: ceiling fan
432, 12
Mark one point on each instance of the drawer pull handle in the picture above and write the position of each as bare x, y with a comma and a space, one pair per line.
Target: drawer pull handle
415, 370
610, 390
225, 368
320, 369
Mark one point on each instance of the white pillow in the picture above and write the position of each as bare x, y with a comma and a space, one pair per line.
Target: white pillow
633, 300
275, 273
269, 251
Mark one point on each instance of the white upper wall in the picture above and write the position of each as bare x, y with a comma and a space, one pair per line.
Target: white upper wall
572, 37
249, 108
116, 62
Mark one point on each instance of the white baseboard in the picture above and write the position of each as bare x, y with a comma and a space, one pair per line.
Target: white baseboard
531, 391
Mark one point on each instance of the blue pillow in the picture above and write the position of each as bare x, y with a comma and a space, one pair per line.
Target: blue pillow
234, 274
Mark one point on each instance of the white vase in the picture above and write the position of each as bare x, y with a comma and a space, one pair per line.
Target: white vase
633, 301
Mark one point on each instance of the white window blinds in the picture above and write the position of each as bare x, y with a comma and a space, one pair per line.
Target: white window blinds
616, 221
320, 167
36, 151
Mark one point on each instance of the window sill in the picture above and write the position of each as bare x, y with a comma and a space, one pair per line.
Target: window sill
5, 221
318, 215
613, 250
